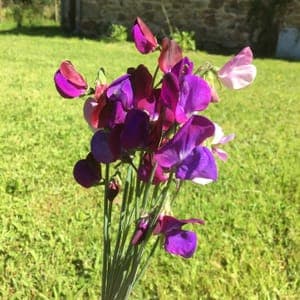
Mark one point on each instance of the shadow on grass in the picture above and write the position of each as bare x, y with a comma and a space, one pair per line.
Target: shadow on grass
57, 31
47, 31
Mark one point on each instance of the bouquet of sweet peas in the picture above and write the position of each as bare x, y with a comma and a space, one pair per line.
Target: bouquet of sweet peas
150, 136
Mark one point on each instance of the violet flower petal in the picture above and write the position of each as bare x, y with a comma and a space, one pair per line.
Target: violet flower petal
87, 172
121, 90
189, 136
194, 95
181, 242
167, 224
65, 88
101, 147
198, 164
183, 67
136, 129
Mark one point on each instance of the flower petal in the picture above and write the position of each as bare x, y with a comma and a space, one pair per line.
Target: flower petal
87, 172
189, 136
136, 129
121, 90
199, 164
181, 242
144, 39
69, 72
170, 55
194, 95
103, 147
65, 88
238, 72
183, 67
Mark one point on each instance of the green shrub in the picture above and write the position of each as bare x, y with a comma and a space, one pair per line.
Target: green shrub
185, 39
117, 33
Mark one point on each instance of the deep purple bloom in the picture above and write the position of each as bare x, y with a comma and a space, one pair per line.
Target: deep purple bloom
105, 145
69, 83
177, 241
144, 39
87, 172
136, 130
121, 90
185, 154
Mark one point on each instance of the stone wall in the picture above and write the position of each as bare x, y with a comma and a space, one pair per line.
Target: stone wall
218, 24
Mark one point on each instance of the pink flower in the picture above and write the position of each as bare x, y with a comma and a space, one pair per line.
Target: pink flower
220, 139
239, 72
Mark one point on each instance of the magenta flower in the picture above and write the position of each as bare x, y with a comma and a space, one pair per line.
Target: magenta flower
185, 154
69, 83
184, 93
141, 230
87, 172
144, 39
145, 170
220, 139
239, 72
177, 241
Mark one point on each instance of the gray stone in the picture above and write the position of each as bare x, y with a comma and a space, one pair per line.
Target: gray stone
288, 45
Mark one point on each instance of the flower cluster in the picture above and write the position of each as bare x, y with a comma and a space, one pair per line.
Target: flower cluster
157, 118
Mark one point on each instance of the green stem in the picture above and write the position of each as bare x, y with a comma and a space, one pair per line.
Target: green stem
106, 234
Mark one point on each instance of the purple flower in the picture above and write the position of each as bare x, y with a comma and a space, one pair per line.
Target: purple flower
185, 154
69, 83
121, 90
183, 67
105, 145
177, 241
87, 172
194, 95
136, 130
144, 39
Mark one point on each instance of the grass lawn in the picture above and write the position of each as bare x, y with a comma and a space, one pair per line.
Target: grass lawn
50, 227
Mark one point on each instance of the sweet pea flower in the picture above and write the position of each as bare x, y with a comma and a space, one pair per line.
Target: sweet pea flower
177, 241
121, 90
170, 55
69, 83
186, 156
105, 145
141, 230
87, 172
144, 40
145, 170
239, 72
220, 139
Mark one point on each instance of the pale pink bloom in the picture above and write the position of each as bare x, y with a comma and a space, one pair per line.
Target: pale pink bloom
239, 72
218, 140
